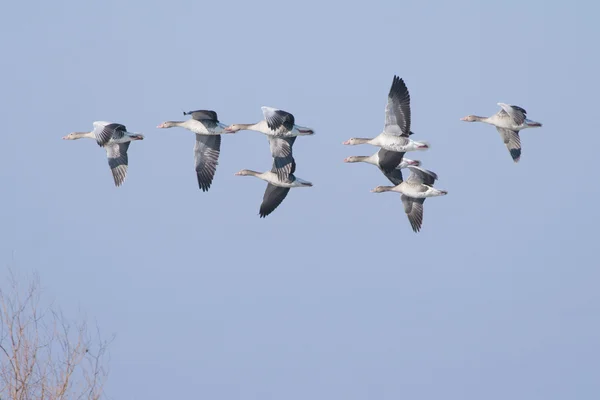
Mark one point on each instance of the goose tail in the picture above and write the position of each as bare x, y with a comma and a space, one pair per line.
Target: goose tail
533, 124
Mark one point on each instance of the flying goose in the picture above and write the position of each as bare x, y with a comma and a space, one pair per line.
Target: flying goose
277, 189
396, 131
389, 162
281, 130
205, 124
508, 121
115, 139
415, 190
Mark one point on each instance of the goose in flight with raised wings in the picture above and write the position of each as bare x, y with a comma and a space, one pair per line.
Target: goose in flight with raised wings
389, 162
396, 131
205, 124
414, 190
277, 189
115, 139
281, 130
509, 120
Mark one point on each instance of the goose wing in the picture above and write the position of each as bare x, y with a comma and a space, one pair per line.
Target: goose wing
283, 161
388, 163
394, 176
516, 113
118, 161
105, 131
273, 197
206, 157
200, 115
512, 141
414, 211
397, 110
421, 175
389, 160
278, 120
208, 118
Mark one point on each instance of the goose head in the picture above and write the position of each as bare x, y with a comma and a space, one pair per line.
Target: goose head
406, 162
470, 118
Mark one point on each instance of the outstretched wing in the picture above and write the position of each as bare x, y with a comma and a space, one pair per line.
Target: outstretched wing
517, 113
206, 157
108, 131
421, 175
273, 197
414, 211
397, 110
283, 161
389, 160
512, 141
394, 176
118, 161
278, 119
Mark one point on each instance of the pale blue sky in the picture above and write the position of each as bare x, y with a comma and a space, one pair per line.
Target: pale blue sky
332, 296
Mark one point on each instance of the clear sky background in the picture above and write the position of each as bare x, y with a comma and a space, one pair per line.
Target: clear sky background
332, 296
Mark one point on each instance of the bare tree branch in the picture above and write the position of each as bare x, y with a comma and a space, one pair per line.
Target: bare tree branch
43, 355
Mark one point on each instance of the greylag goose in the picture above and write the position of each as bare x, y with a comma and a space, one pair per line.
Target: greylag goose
205, 124
396, 131
277, 189
115, 139
415, 190
281, 130
508, 121
389, 162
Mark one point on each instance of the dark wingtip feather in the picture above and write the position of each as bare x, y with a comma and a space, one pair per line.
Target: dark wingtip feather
262, 213
398, 86
203, 185
515, 154
415, 224
519, 109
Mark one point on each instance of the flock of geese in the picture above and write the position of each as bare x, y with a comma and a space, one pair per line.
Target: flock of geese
281, 130
395, 141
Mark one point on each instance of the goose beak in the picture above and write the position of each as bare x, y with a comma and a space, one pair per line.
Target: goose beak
463, 119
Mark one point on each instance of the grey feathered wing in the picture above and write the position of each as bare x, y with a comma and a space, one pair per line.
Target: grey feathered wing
206, 157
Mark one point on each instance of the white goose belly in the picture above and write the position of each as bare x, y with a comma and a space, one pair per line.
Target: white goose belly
506, 123
272, 178
199, 128
416, 191
394, 143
